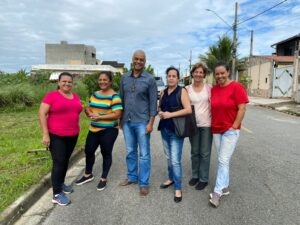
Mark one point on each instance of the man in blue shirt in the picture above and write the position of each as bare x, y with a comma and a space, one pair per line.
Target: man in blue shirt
139, 97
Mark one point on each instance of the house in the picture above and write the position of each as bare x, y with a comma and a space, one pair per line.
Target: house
270, 76
70, 54
288, 46
115, 64
273, 76
76, 70
77, 59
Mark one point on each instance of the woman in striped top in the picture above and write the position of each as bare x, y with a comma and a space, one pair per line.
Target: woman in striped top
105, 109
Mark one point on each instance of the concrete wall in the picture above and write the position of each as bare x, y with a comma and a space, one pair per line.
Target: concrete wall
73, 54
296, 78
260, 73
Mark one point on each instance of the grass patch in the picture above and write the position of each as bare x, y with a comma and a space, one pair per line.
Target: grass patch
20, 132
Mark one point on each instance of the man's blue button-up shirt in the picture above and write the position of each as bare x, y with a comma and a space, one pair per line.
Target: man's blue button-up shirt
139, 97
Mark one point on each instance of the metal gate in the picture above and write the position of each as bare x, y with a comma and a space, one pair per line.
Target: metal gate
282, 82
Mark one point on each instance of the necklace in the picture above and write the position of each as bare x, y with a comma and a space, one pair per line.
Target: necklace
67, 95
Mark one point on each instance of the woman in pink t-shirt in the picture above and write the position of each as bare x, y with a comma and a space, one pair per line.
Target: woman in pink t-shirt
199, 94
228, 107
59, 118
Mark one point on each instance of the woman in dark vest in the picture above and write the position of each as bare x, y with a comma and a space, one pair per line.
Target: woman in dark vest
171, 142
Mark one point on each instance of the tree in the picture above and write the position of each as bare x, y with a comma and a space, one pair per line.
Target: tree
91, 82
221, 51
148, 69
116, 81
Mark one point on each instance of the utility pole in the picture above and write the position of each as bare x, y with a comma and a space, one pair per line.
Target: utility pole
296, 75
251, 44
190, 60
250, 60
233, 74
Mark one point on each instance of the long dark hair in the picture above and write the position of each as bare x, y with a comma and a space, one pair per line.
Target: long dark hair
223, 64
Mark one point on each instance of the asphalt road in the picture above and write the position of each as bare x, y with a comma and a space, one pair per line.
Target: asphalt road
265, 184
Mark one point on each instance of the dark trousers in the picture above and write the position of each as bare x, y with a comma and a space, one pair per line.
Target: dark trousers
61, 148
106, 139
200, 153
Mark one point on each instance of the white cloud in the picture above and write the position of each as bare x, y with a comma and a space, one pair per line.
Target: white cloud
167, 30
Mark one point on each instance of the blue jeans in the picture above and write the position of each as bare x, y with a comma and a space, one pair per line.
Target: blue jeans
138, 169
173, 150
225, 145
200, 153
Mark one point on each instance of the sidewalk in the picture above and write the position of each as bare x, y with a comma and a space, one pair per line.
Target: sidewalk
282, 105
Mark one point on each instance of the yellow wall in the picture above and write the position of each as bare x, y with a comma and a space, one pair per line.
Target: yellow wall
260, 76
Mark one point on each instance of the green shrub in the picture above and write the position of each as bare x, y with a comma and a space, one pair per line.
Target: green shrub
80, 89
243, 79
41, 90
19, 94
14, 78
40, 77
116, 81
91, 82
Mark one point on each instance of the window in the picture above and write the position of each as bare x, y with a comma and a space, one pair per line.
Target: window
288, 51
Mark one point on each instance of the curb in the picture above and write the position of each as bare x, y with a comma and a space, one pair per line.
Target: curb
14, 211
290, 112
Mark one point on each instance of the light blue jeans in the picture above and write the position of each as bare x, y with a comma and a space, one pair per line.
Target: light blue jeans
173, 150
225, 144
138, 168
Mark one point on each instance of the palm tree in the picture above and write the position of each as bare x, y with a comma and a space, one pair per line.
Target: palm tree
221, 51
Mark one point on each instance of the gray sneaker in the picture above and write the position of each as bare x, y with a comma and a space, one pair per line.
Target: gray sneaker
225, 191
215, 200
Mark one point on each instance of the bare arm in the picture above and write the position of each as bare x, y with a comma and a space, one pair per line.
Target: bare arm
112, 116
43, 114
187, 109
149, 126
239, 117
88, 111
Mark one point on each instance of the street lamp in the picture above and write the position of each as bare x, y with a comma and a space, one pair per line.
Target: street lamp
219, 17
190, 63
234, 28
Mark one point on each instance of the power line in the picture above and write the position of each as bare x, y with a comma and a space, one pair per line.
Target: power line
261, 12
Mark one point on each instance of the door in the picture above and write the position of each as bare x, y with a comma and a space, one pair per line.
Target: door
282, 82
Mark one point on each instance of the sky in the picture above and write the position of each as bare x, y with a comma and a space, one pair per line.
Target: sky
167, 30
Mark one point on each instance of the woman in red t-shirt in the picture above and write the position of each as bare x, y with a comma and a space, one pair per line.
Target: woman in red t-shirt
59, 118
228, 107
